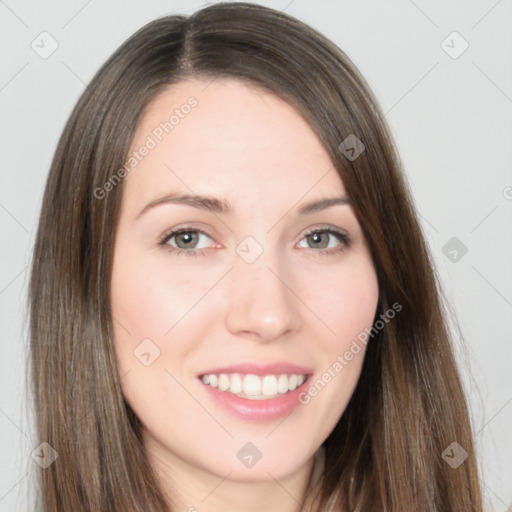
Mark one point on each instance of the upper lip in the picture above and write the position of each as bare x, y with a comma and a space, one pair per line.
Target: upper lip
260, 369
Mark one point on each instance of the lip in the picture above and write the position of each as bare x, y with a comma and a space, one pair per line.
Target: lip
256, 410
260, 369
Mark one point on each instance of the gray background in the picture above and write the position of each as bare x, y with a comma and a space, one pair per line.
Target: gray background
450, 115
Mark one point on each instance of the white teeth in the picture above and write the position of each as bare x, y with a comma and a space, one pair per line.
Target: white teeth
223, 382
282, 384
253, 386
235, 384
269, 385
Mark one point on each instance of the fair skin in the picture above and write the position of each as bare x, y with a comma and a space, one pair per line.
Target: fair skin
295, 302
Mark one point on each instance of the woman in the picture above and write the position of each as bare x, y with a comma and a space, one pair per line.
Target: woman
298, 357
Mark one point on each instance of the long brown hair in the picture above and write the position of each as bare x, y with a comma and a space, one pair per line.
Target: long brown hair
385, 453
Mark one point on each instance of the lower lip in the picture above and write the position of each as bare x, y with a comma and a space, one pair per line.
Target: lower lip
257, 410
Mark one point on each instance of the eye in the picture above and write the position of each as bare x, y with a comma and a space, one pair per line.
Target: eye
322, 238
186, 240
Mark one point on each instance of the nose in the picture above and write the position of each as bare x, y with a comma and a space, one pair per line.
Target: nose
262, 303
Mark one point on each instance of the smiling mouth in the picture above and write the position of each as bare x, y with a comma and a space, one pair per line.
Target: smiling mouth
255, 387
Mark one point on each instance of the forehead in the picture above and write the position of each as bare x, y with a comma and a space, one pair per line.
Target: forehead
227, 138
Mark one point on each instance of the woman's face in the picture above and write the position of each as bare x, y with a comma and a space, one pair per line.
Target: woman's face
247, 283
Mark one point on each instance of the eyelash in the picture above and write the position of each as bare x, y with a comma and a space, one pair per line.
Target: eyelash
345, 239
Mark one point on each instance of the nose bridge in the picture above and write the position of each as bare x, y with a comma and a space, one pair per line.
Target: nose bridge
260, 302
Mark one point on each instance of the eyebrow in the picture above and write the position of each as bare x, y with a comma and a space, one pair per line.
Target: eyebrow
212, 204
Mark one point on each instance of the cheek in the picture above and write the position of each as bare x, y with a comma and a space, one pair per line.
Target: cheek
347, 302
152, 298
154, 329
347, 307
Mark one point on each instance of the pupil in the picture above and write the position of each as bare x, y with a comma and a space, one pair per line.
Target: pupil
188, 236
317, 238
